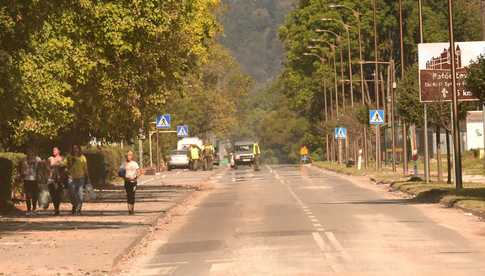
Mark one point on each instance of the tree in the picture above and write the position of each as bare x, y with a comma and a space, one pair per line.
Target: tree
74, 70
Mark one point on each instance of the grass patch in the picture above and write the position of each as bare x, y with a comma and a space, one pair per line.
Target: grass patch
471, 197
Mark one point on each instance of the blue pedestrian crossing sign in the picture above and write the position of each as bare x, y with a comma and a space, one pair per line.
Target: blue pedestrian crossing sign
340, 133
163, 121
376, 117
182, 131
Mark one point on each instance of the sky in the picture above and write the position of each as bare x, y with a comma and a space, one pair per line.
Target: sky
470, 51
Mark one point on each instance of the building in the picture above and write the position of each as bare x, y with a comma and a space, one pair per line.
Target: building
443, 61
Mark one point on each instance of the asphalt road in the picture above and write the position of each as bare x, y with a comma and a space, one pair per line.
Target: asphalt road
291, 220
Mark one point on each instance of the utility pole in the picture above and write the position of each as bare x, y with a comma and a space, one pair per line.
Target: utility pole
376, 85
482, 9
404, 129
426, 150
456, 122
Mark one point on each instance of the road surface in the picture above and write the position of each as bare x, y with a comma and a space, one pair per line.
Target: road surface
292, 220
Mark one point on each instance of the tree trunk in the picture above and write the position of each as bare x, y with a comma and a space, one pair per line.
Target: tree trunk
438, 153
448, 156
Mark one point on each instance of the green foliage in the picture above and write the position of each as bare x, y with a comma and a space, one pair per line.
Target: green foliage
73, 70
308, 71
408, 105
103, 163
251, 34
9, 177
476, 78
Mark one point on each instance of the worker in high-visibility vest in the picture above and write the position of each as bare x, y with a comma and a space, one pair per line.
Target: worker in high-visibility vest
257, 156
208, 156
194, 156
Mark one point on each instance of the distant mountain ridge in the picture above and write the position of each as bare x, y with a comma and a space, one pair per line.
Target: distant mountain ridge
251, 34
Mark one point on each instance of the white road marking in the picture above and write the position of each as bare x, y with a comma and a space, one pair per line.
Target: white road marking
331, 237
324, 248
167, 264
220, 260
332, 260
220, 267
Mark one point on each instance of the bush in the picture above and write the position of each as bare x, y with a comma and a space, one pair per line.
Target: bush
9, 171
103, 163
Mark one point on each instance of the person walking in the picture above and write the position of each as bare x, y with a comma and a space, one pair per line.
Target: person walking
30, 174
57, 178
77, 167
130, 171
304, 158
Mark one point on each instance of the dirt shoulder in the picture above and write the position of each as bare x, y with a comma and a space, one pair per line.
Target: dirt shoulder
93, 243
470, 199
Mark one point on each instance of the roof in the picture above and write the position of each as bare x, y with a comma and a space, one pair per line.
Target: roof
474, 117
241, 143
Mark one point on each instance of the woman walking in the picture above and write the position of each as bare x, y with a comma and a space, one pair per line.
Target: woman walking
130, 171
77, 167
29, 172
57, 178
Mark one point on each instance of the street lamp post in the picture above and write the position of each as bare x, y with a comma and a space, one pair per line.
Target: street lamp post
376, 85
349, 50
322, 60
404, 130
339, 41
393, 99
426, 151
456, 123
356, 14
334, 47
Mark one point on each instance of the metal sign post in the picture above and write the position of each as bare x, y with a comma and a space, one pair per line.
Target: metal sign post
340, 134
376, 117
456, 123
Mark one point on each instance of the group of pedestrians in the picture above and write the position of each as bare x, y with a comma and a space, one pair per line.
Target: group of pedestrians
68, 173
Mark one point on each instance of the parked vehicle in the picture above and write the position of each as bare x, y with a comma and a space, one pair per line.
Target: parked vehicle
178, 159
185, 143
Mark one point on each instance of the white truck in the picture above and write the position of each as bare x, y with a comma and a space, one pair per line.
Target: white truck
184, 143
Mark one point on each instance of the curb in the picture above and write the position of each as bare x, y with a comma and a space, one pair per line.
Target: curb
153, 221
151, 224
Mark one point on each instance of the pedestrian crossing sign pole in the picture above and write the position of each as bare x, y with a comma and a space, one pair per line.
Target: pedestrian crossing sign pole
182, 131
163, 121
340, 134
376, 117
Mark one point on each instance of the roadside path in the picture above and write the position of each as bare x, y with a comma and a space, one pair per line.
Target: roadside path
91, 243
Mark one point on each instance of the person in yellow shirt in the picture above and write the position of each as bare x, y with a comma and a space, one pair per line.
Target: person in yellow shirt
77, 167
304, 154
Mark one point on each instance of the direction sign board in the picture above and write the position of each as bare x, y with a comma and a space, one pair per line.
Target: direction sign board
435, 70
340, 133
376, 117
163, 121
183, 131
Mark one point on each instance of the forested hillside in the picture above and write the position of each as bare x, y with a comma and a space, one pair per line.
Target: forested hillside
250, 32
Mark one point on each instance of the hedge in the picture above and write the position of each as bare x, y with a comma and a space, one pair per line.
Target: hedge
103, 163
9, 169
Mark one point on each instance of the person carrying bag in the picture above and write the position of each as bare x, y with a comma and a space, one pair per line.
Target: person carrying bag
130, 171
